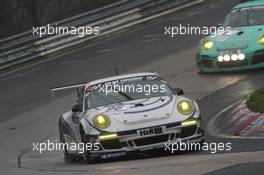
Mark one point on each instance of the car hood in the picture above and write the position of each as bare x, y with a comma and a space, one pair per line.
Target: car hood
139, 111
142, 113
238, 38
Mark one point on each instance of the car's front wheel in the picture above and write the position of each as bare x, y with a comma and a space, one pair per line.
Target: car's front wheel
199, 65
68, 158
87, 156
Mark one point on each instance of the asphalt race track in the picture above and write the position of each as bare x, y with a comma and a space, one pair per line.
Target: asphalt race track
29, 114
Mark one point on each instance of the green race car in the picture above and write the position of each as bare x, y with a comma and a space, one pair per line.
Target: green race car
239, 46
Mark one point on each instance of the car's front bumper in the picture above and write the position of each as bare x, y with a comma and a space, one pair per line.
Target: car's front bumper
129, 141
209, 64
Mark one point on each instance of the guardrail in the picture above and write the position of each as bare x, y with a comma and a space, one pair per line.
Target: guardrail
111, 19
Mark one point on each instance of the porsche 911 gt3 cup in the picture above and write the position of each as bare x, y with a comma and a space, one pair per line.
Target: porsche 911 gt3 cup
240, 47
130, 113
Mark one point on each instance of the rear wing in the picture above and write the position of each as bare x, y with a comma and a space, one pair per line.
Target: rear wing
78, 88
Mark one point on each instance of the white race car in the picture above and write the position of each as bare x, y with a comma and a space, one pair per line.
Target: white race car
125, 114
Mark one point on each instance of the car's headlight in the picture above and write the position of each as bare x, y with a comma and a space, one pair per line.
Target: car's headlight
101, 121
261, 40
189, 122
208, 45
185, 107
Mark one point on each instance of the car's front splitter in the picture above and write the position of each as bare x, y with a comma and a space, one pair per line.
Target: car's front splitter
199, 138
132, 142
232, 69
208, 62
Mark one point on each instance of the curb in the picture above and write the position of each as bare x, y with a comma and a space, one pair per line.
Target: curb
237, 121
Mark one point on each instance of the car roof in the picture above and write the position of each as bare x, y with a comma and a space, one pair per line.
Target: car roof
122, 77
249, 4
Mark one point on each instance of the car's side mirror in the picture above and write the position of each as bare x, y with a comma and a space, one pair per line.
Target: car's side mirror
77, 108
178, 91
219, 25
242, 1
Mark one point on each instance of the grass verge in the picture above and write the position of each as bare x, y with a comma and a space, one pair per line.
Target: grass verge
256, 101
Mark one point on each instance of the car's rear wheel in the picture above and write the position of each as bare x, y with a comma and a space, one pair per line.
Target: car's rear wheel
68, 158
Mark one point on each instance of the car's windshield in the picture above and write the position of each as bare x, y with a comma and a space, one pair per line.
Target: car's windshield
119, 92
246, 17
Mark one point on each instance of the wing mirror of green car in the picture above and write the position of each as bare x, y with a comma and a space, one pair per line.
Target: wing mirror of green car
219, 25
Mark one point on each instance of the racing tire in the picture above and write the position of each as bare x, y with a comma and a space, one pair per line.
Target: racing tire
200, 68
199, 65
67, 157
202, 142
202, 131
87, 156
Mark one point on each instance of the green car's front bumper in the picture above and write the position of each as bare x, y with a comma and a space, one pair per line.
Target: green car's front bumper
208, 63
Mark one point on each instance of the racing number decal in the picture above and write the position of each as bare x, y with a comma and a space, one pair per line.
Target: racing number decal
114, 108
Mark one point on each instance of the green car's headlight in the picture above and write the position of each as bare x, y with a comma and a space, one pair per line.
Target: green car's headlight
101, 121
208, 45
261, 40
185, 107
